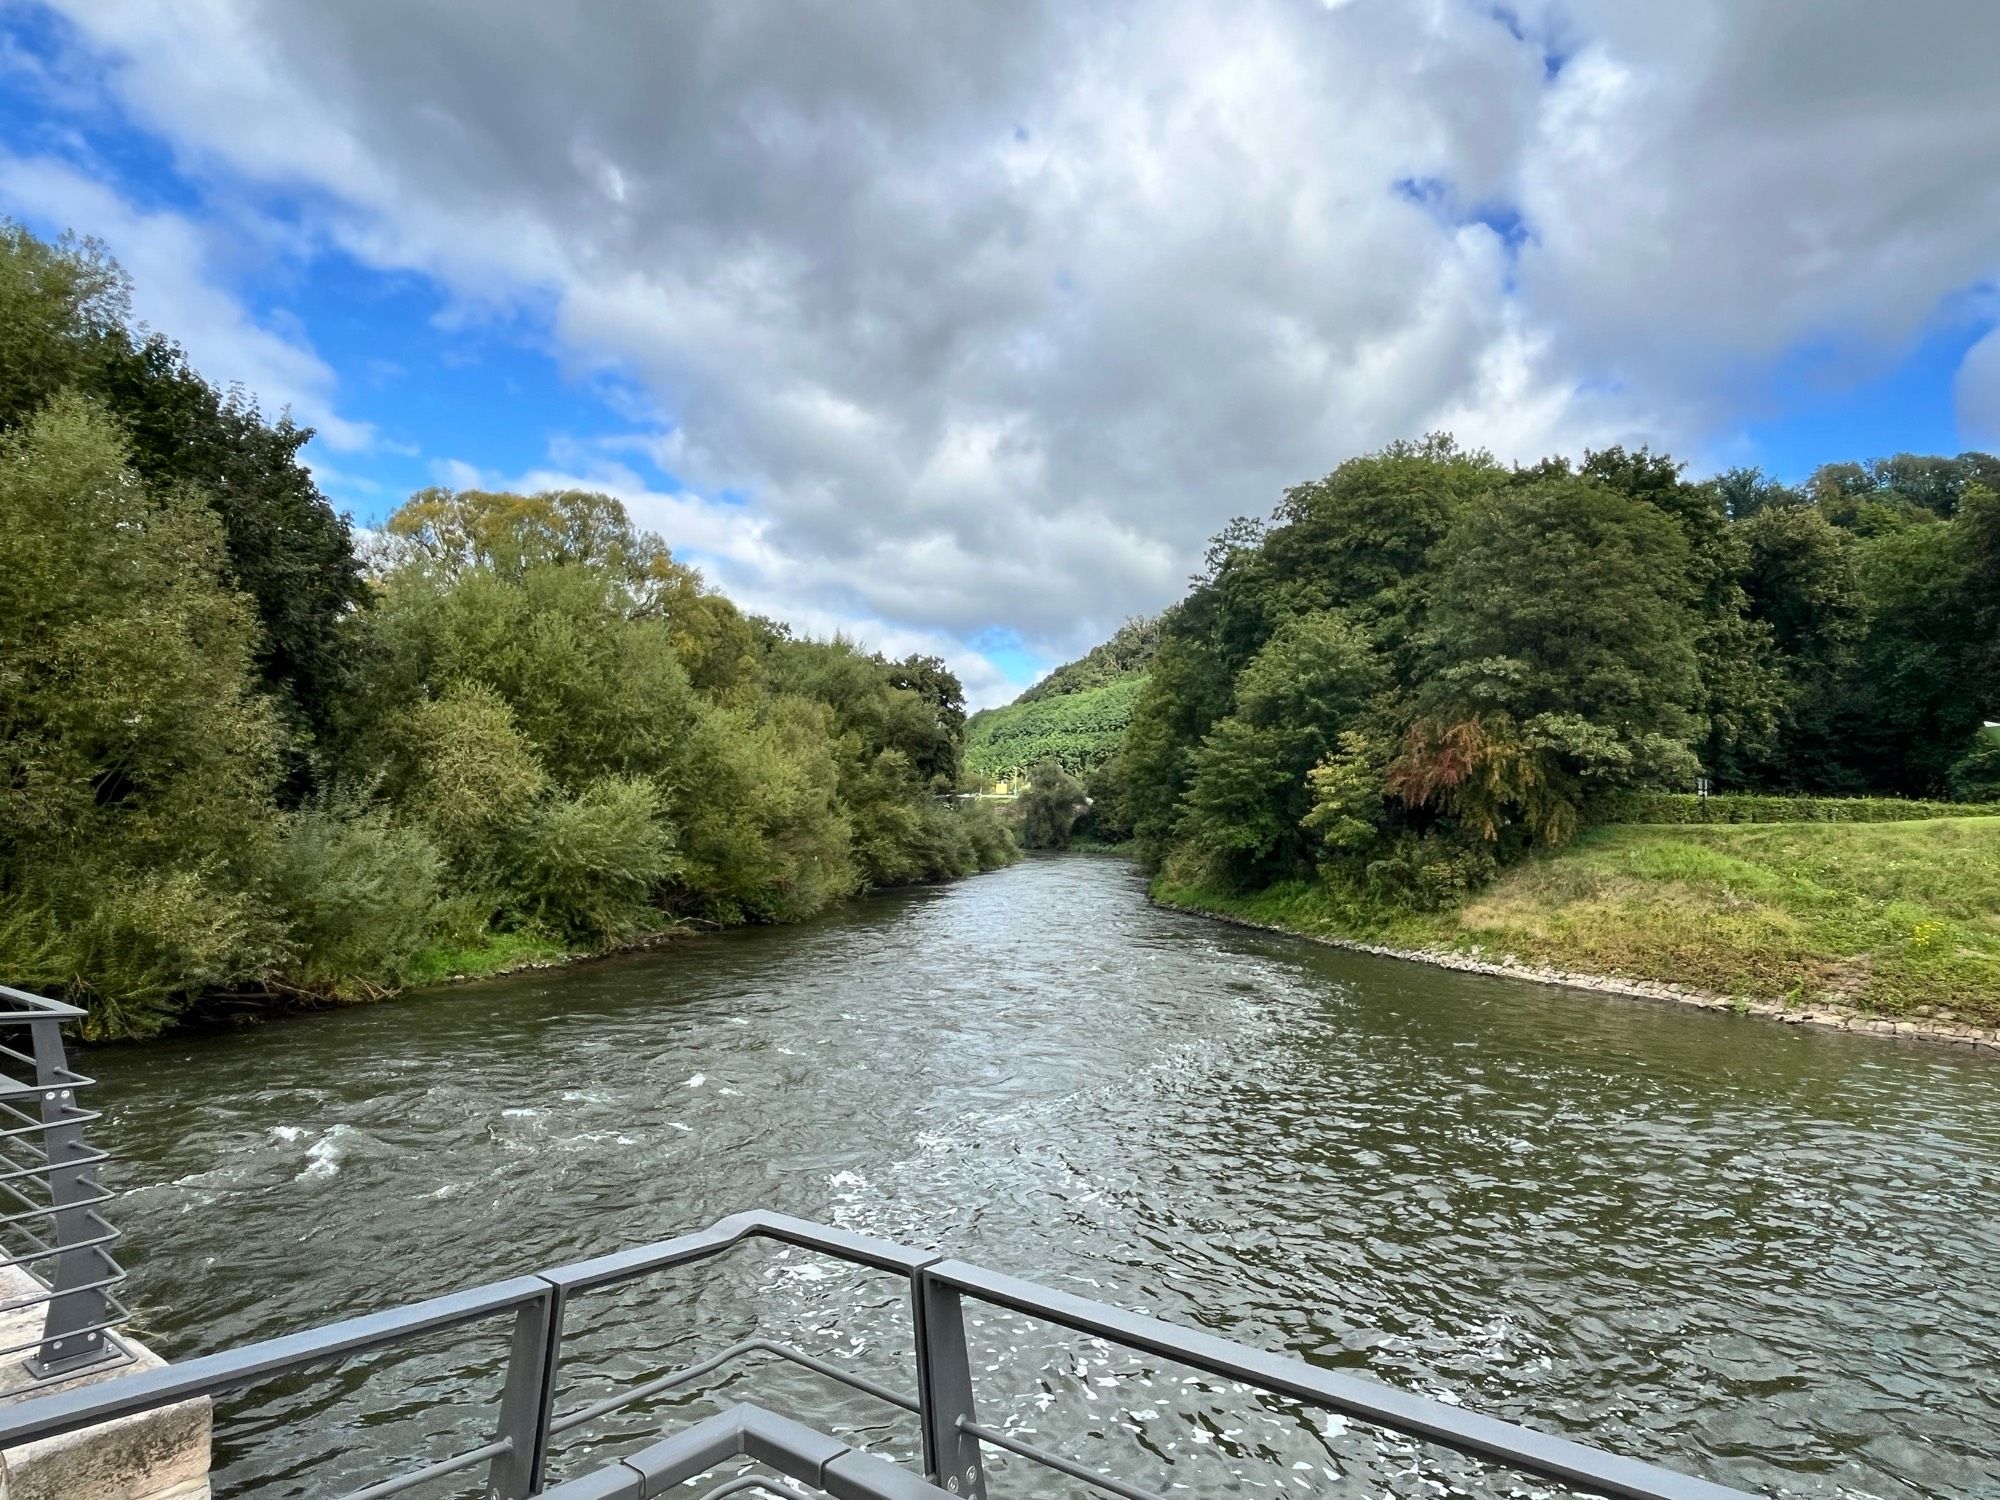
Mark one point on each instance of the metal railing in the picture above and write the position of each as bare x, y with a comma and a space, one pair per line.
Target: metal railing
954, 1438
55, 1247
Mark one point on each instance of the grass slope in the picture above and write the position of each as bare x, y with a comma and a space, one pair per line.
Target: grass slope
1897, 918
1079, 730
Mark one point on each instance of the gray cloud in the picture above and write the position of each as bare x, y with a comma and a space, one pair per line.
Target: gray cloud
996, 312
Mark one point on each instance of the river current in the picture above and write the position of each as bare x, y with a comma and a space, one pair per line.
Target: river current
1767, 1255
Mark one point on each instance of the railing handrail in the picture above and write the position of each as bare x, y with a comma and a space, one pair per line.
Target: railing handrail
36, 1005
944, 1398
42, 1147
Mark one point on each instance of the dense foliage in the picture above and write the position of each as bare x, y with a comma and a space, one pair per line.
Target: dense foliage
1426, 663
234, 760
1049, 807
1077, 730
1777, 807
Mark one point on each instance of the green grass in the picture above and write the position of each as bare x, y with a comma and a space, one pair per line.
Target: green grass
495, 954
1894, 918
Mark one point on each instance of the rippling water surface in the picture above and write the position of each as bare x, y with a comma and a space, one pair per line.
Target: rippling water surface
1763, 1254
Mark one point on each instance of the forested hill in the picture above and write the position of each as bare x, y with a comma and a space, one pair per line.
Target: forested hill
1427, 663
241, 764
1076, 716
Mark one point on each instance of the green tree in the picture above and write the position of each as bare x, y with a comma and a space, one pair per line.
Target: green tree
137, 758
1565, 662
63, 314
1050, 807
1801, 584
1248, 796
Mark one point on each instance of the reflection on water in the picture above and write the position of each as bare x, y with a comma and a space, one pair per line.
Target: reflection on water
1762, 1254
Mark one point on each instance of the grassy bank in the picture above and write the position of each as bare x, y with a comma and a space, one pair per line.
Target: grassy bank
1899, 919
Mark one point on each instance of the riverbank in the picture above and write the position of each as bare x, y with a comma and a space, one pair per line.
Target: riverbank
1889, 928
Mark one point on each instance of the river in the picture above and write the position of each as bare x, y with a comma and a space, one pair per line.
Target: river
1760, 1253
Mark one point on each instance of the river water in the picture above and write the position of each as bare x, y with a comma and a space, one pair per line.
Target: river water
1763, 1254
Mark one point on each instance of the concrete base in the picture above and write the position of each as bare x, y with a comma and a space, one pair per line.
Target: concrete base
158, 1455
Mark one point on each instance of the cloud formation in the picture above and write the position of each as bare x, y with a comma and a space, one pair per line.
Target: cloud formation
993, 313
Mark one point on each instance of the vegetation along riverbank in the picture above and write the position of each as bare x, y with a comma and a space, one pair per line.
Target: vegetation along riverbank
247, 760
1884, 927
1444, 706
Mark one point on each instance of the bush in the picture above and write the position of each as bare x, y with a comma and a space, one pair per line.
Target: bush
992, 840
361, 894
468, 775
1432, 872
1975, 775
148, 944
586, 865
1050, 807
1757, 807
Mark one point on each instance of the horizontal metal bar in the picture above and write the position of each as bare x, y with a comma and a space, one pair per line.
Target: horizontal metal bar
443, 1468
1370, 1401
727, 1233
34, 1005
116, 1315
745, 1483
618, 1400
92, 1157
66, 1411
50, 1295
106, 1235
1057, 1462
50, 1210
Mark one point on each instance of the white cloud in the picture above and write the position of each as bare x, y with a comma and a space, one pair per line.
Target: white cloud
171, 261
1978, 393
995, 312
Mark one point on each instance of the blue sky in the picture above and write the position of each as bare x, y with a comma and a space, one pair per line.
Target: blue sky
967, 347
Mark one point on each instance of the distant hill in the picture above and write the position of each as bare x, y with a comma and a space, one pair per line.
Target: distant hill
1129, 651
1075, 716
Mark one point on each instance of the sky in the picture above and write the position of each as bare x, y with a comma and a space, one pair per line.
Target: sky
960, 328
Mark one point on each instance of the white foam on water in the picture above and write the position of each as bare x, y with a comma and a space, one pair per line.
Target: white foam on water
324, 1155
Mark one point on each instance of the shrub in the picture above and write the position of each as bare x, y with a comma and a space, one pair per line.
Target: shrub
469, 776
992, 840
586, 864
1050, 807
148, 944
361, 895
1432, 872
1975, 775
1757, 807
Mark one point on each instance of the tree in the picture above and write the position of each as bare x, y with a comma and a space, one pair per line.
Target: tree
1800, 583
1050, 807
1248, 795
934, 743
1361, 539
137, 758
1564, 663
62, 307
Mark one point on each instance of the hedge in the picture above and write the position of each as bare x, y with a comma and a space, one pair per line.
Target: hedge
1757, 807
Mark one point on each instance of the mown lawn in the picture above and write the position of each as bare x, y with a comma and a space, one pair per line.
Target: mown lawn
1897, 918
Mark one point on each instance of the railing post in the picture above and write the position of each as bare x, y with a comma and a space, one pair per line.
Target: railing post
944, 1388
72, 1334
527, 1402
